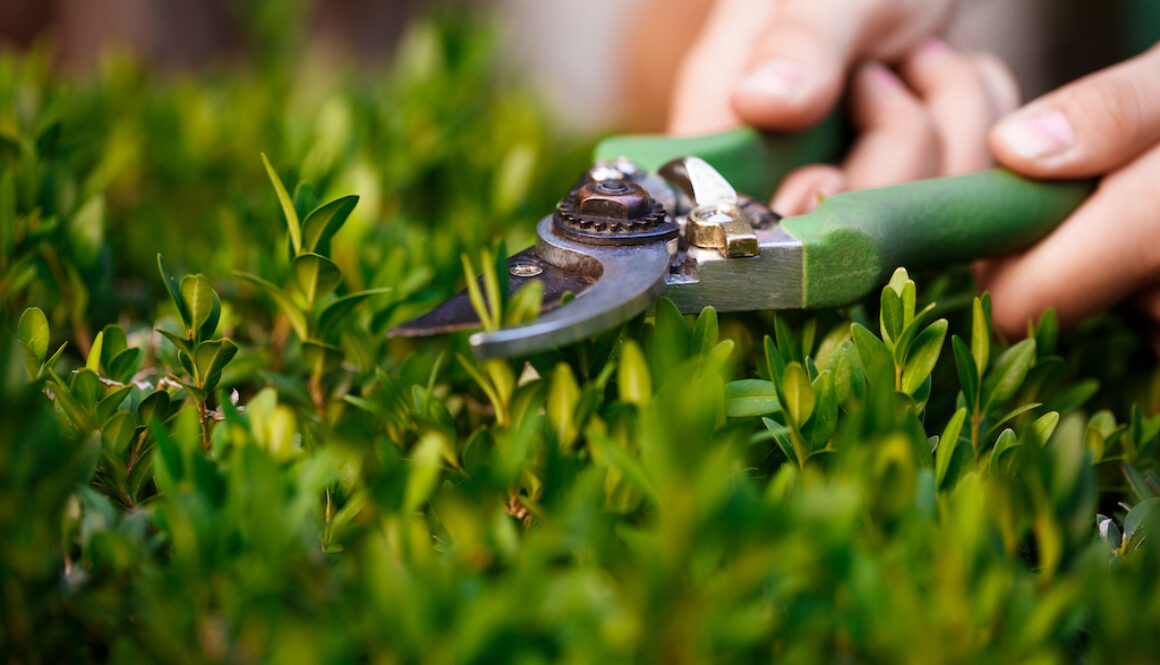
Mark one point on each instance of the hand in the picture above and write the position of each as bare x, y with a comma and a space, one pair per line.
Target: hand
1106, 124
783, 64
931, 119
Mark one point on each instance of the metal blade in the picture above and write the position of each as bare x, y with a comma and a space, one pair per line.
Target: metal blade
457, 313
628, 280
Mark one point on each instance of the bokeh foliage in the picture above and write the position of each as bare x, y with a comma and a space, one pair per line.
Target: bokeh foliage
228, 462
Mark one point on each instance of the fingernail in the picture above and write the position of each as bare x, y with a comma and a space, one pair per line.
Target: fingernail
776, 78
935, 47
1039, 134
884, 77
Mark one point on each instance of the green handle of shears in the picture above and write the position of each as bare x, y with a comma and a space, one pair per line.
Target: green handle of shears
853, 241
754, 162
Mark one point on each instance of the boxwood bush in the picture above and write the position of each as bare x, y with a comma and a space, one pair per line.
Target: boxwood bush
209, 451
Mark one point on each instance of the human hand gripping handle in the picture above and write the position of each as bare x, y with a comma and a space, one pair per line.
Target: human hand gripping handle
1108, 125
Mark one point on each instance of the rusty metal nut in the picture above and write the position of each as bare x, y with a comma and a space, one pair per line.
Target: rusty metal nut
613, 199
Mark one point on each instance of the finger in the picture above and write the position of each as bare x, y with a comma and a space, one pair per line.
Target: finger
799, 191
1002, 87
897, 141
1088, 127
802, 57
713, 65
1097, 257
956, 91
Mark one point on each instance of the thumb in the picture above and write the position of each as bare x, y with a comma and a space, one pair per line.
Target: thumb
801, 59
1088, 127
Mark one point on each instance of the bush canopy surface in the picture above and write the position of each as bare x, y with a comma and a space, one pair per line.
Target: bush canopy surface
209, 451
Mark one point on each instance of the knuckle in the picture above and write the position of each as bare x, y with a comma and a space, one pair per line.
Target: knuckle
1110, 108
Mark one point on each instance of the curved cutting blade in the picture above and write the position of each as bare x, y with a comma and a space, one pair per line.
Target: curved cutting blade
628, 279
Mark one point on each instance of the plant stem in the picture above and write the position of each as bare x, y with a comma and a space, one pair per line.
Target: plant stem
317, 394
799, 446
976, 420
203, 416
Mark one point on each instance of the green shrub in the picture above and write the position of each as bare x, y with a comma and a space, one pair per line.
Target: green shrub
237, 466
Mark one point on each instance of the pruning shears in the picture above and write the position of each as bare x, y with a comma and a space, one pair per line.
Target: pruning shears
686, 218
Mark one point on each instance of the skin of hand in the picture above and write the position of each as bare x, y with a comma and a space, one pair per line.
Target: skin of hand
1105, 125
921, 109
783, 64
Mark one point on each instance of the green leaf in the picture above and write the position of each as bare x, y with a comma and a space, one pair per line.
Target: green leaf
923, 355
1108, 531
947, 444
86, 387
124, 365
774, 363
1011, 415
491, 286
316, 277
174, 289
155, 405
898, 280
797, 394
424, 469
86, 230
670, 324
199, 296
289, 307
524, 306
321, 224
182, 344
909, 297
1007, 441
632, 375
212, 356
748, 398
51, 362
337, 309
321, 358
80, 417
618, 458
119, 431
475, 295
1143, 517
1073, 397
563, 395
968, 374
93, 362
980, 337
890, 318
783, 438
33, 332
1136, 483
1008, 373
107, 405
825, 417
787, 342
1046, 333
114, 343
843, 366
704, 332
809, 333
287, 206
1044, 426
872, 354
